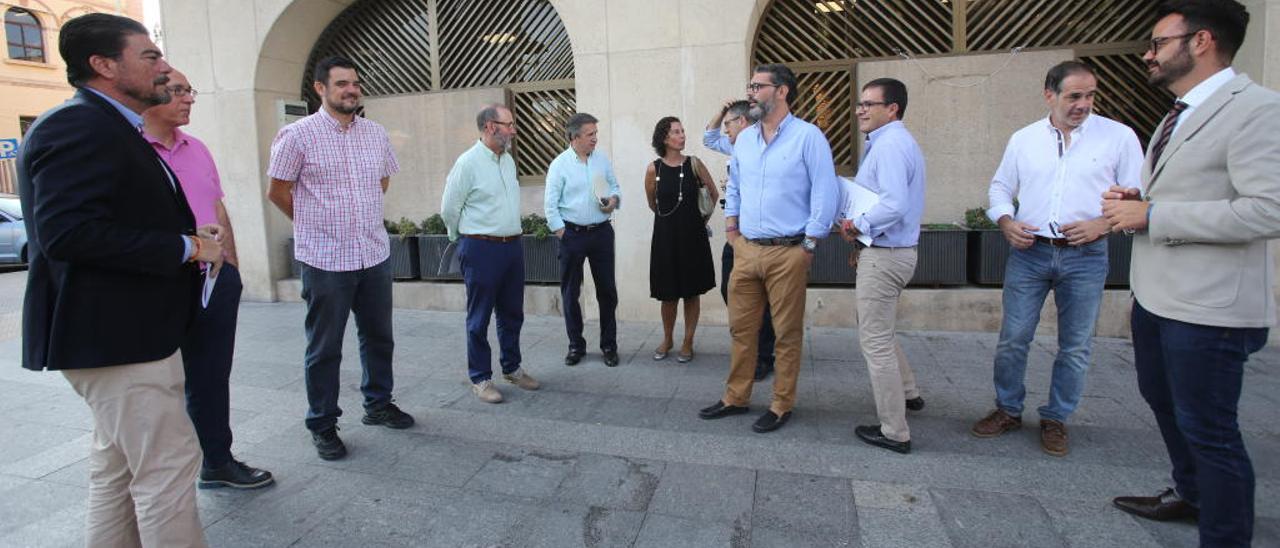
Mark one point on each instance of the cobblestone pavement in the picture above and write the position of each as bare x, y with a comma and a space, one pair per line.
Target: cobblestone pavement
617, 456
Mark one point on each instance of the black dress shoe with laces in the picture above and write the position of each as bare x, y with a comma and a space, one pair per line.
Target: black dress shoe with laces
236, 475
720, 410
573, 357
611, 358
328, 445
873, 435
770, 421
915, 404
1167, 506
387, 415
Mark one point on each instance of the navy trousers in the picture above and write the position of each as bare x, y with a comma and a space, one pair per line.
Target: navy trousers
1190, 375
595, 245
764, 352
494, 275
331, 298
206, 360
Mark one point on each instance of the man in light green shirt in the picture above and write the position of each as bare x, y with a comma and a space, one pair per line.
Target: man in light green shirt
481, 204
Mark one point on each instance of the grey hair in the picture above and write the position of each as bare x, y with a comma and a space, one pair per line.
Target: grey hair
573, 128
488, 114
742, 108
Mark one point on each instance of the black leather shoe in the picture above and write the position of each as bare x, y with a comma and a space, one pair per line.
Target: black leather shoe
573, 357
387, 415
873, 435
328, 445
1167, 506
720, 410
610, 358
915, 404
236, 475
769, 422
763, 369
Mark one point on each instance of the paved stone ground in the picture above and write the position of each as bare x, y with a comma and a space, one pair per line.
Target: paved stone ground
617, 457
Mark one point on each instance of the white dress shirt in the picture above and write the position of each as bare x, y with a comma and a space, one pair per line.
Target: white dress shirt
1057, 183
1197, 95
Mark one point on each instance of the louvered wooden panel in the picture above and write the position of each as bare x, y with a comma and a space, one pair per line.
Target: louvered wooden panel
484, 43
1124, 94
1004, 24
540, 117
387, 39
794, 31
826, 100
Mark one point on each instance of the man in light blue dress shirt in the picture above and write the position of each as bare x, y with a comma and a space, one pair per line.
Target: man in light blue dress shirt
580, 195
781, 199
892, 167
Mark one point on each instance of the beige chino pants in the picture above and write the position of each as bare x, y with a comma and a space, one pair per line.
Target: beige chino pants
882, 273
145, 456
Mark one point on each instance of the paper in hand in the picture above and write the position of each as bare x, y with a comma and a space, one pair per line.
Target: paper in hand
207, 291
857, 201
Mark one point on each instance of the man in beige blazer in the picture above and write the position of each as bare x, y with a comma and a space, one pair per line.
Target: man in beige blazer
1202, 273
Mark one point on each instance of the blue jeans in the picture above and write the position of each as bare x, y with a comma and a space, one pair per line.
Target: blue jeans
1190, 375
494, 275
331, 298
1076, 275
595, 245
206, 360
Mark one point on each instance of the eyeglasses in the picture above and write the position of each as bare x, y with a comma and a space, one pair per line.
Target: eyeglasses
865, 105
1154, 45
510, 124
727, 121
754, 87
182, 91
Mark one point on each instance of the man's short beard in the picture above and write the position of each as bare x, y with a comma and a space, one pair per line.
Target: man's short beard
1173, 69
341, 109
151, 97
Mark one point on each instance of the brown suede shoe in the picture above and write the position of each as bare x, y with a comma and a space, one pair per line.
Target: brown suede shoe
1053, 437
995, 424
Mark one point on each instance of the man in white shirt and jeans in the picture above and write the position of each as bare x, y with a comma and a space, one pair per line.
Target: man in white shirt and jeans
1055, 168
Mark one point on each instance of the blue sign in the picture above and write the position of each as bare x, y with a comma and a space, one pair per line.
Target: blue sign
8, 149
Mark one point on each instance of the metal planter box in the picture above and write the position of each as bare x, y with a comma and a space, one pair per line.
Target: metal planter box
295, 266
988, 254
541, 259
404, 257
831, 262
941, 258
430, 248
1119, 248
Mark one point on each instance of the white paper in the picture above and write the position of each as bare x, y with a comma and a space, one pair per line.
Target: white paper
857, 201
207, 290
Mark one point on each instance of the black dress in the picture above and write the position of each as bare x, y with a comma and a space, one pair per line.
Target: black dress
680, 253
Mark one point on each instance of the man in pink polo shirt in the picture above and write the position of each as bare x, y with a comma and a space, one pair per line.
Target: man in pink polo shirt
207, 350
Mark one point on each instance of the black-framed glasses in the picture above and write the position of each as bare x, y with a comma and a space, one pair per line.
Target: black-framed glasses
754, 87
182, 91
864, 105
734, 119
1154, 45
510, 124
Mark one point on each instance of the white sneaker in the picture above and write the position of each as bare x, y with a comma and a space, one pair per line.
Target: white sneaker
522, 379
487, 392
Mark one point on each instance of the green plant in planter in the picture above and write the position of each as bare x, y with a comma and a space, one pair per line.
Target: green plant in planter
976, 219
403, 227
941, 226
535, 225
434, 225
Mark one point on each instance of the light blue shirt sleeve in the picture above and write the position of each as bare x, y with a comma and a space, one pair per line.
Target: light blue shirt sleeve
457, 186
553, 193
891, 163
732, 199
186, 248
715, 140
823, 194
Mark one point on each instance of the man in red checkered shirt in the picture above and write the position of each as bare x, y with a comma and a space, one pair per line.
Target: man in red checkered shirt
328, 173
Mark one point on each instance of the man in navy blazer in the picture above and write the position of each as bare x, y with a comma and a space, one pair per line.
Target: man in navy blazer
114, 280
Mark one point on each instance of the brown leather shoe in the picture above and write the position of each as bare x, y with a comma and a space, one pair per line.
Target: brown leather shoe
995, 424
1053, 437
1167, 506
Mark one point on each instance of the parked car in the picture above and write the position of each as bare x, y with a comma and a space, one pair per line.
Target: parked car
13, 234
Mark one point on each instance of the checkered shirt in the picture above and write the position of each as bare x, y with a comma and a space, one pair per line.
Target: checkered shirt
337, 195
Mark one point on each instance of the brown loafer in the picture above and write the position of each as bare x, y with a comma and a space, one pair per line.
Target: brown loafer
1167, 506
995, 424
1053, 437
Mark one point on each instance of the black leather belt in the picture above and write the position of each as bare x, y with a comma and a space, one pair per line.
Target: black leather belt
787, 240
584, 228
1061, 242
488, 238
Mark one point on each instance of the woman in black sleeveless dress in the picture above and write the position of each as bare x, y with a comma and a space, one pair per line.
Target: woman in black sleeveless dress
680, 264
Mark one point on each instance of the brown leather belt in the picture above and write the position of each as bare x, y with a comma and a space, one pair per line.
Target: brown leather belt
1061, 242
784, 241
488, 238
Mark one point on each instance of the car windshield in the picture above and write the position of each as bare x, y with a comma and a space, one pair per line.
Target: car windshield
11, 207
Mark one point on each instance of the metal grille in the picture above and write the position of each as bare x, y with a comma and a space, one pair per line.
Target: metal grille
493, 43
796, 31
826, 99
1004, 24
387, 39
541, 114
8, 176
1124, 94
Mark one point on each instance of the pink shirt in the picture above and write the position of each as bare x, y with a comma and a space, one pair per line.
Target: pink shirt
337, 192
197, 174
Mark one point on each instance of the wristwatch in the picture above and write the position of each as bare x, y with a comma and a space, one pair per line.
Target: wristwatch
809, 244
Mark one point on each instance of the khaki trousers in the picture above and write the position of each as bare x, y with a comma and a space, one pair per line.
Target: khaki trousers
777, 275
882, 273
145, 456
